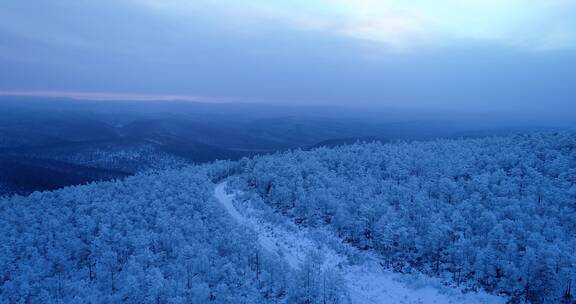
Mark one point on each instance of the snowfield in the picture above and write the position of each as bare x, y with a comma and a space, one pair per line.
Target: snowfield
367, 283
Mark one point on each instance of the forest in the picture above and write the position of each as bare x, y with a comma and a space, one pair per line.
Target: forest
493, 214
497, 213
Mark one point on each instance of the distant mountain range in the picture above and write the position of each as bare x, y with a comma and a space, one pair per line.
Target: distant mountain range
47, 143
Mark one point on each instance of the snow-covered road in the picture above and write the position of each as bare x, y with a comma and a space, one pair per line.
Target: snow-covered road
367, 283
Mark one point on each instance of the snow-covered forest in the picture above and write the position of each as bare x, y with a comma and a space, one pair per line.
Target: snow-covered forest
498, 213
491, 214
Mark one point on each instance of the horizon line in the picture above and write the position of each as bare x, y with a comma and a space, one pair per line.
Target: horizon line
111, 96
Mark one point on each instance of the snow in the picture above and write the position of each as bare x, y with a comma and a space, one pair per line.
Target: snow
367, 283
292, 247
227, 201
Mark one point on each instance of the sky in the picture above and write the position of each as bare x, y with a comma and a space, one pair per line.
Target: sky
492, 55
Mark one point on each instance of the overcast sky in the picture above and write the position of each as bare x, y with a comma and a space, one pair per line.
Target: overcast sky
472, 54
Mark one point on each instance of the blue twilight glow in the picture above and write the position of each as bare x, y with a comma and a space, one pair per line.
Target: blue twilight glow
489, 54
525, 24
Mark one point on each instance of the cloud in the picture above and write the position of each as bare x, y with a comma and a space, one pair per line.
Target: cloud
401, 24
409, 52
377, 21
393, 25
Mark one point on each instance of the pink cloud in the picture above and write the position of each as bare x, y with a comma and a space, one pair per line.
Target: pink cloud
106, 96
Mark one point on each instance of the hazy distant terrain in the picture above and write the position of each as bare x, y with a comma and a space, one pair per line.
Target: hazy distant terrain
47, 143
